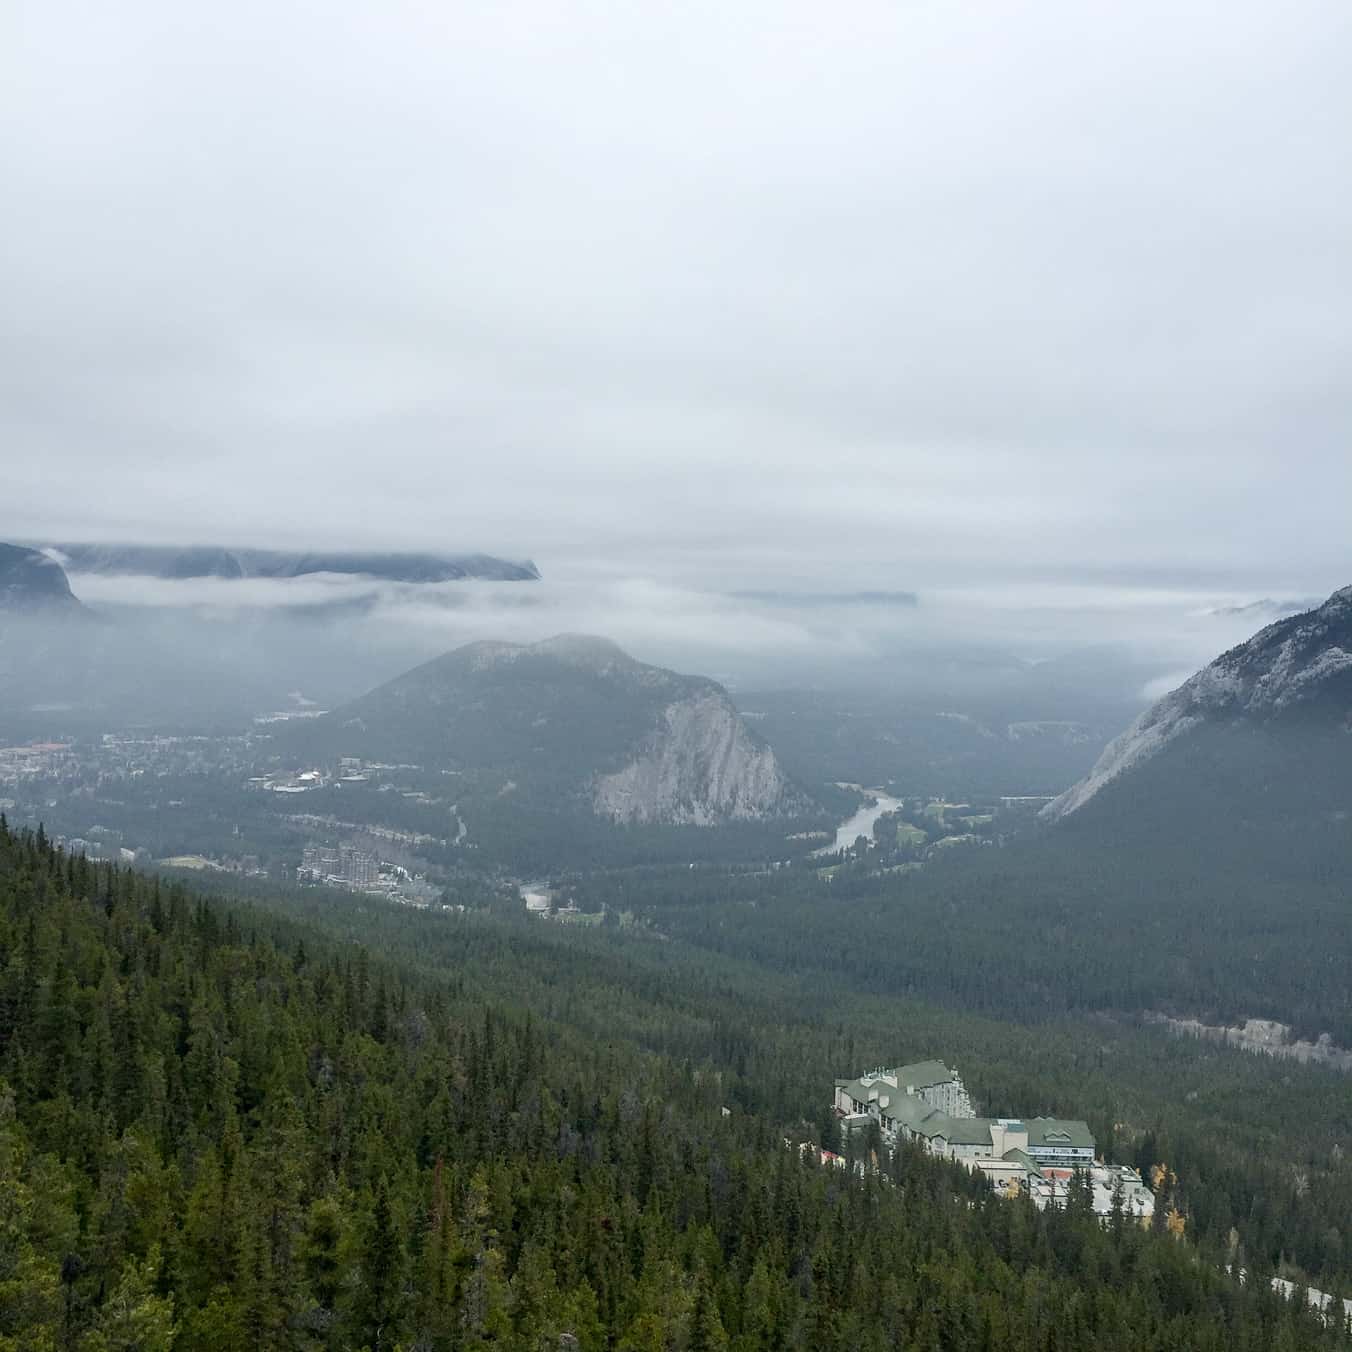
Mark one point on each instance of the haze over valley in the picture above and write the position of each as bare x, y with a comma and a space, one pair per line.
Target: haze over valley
676, 678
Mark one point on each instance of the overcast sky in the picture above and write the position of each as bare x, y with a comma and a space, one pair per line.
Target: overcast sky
913, 294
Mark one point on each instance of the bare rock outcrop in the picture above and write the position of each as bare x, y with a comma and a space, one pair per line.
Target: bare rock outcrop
700, 767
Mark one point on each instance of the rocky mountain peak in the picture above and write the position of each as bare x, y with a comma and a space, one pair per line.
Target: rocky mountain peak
1294, 666
31, 581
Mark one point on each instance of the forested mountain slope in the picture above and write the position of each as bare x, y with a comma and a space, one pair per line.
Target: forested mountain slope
1201, 871
1253, 716
220, 1131
573, 724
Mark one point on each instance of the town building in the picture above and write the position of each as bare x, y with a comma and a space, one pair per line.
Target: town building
1111, 1186
932, 1082
317, 863
359, 868
345, 866
928, 1104
1039, 1157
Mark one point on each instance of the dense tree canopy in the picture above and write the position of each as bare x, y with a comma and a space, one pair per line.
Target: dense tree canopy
219, 1129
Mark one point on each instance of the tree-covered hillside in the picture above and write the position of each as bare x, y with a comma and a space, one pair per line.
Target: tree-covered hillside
1236, 907
220, 1129
571, 727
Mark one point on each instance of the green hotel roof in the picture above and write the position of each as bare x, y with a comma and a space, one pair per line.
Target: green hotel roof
923, 1074
1022, 1157
1050, 1132
967, 1131
910, 1111
920, 1075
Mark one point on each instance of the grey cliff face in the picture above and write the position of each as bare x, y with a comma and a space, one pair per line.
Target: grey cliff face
1283, 670
700, 767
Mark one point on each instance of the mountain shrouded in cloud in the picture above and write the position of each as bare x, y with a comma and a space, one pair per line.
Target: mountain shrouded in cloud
185, 563
1275, 711
33, 583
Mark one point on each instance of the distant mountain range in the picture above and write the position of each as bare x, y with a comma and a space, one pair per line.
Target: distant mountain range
1271, 719
214, 561
573, 722
33, 583
125, 654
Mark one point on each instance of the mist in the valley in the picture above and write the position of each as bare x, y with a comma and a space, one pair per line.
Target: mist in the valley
903, 357
742, 323
216, 654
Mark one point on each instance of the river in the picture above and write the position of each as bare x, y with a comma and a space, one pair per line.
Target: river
861, 823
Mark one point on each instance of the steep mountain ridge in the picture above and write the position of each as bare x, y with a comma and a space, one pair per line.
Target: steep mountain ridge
1295, 671
32, 582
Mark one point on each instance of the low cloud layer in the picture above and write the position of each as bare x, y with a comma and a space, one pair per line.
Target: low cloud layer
989, 304
775, 638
